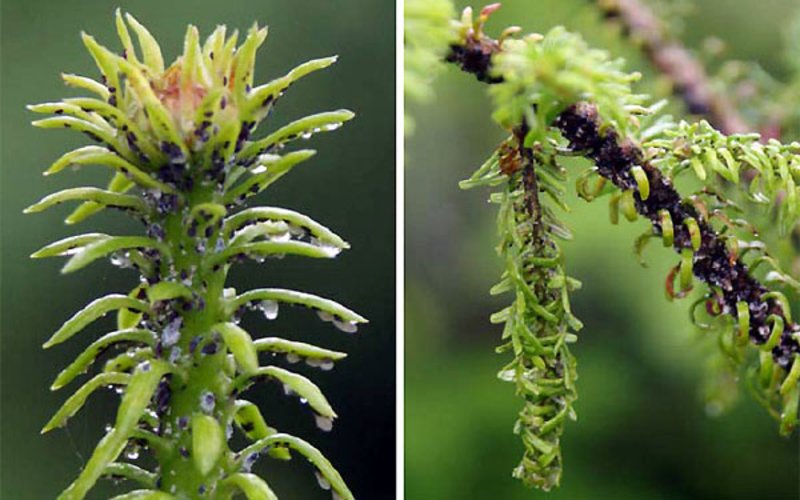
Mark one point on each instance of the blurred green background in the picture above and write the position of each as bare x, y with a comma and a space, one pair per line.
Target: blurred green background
642, 430
348, 186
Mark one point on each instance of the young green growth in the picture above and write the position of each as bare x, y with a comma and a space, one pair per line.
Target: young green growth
179, 142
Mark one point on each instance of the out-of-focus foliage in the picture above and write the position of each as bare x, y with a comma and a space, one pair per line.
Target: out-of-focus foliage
769, 100
427, 32
792, 51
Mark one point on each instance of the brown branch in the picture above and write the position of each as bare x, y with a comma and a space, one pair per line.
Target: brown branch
689, 78
614, 157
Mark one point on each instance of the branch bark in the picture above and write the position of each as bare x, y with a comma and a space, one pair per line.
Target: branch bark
689, 77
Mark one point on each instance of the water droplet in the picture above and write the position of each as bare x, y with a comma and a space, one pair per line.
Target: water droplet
324, 423
323, 483
132, 452
268, 158
172, 333
330, 250
313, 362
207, 401
269, 308
121, 261
287, 390
331, 126
507, 375
174, 354
228, 293
303, 401
306, 135
325, 315
281, 237
346, 326
292, 358
327, 248
326, 365
248, 462
71, 251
